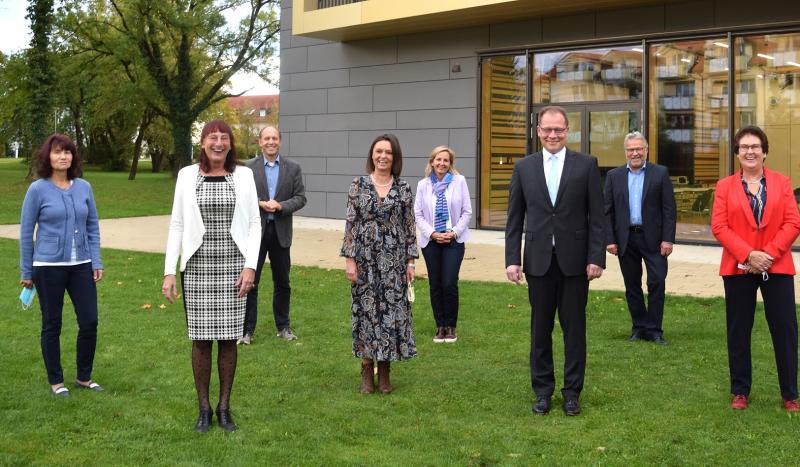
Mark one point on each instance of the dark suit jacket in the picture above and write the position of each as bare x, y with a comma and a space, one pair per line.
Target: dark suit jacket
658, 207
291, 193
576, 220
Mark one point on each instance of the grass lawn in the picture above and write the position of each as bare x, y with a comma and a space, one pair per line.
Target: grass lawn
116, 196
463, 404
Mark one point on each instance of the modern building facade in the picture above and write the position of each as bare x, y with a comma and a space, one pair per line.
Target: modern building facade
472, 74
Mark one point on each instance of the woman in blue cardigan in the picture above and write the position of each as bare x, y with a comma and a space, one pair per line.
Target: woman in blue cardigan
65, 256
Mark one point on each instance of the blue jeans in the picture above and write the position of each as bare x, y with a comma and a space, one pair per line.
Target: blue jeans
443, 263
51, 282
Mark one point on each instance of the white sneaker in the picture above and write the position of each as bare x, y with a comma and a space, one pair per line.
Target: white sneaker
246, 339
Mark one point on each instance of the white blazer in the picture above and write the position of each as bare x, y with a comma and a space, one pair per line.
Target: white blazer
186, 227
459, 206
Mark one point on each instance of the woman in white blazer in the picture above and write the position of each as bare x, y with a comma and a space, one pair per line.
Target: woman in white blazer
215, 230
443, 210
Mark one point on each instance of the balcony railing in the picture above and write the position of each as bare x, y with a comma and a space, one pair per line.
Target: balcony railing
332, 3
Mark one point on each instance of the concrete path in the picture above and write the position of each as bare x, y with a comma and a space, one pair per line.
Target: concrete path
692, 269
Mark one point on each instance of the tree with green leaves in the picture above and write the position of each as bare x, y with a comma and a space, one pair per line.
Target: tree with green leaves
40, 77
180, 54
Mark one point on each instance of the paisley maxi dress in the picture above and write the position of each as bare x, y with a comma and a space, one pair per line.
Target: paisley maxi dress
381, 236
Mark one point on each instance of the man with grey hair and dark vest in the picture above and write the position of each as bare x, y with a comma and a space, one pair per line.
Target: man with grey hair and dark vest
640, 226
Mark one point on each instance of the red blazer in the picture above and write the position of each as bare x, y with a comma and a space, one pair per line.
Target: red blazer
733, 224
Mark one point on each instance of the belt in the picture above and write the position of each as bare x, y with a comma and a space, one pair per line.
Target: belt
636, 228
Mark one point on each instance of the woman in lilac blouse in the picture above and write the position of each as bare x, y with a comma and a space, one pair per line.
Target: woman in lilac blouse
443, 210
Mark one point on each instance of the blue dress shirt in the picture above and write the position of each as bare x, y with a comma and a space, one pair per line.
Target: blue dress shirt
271, 170
635, 186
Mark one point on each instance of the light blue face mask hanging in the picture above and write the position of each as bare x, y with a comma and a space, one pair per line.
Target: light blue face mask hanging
26, 297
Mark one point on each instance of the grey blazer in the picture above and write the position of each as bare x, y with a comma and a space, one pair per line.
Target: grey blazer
290, 193
576, 220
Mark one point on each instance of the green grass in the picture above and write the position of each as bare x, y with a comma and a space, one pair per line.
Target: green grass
463, 404
115, 195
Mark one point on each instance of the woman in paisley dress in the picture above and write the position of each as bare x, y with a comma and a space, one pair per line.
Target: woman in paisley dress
380, 247
215, 229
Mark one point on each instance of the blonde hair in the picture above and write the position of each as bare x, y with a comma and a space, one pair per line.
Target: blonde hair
433, 154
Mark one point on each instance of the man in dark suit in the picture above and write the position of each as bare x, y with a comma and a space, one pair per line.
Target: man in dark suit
640, 225
279, 183
556, 201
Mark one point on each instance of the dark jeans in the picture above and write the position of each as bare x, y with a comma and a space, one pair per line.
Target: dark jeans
51, 282
647, 320
443, 263
567, 294
781, 315
280, 263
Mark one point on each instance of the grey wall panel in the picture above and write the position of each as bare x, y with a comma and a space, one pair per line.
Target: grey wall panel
347, 165
439, 118
311, 165
426, 95
464, 141
469, 67
401, 73
442, 44
294, 60
336, 206
320, 79
324, 144
352, 54
304, 102
515, 33
676, 19
285, 38
738, 12
329, 183
467, 166
360, 141
352, 121
284, 82
290, 123
567, 28
630, 21
300, 41
286, 17
355, 99
419, 143
315, 204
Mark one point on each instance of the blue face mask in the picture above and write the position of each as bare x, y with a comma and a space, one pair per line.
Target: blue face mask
26, 297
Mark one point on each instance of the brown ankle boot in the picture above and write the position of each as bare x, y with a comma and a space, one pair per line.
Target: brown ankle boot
367, 378
383, 378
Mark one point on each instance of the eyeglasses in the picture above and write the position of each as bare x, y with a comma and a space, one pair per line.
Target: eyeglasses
634, 150
746, 147
557, 131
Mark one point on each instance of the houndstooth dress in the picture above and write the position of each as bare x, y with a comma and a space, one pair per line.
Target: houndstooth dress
213, 311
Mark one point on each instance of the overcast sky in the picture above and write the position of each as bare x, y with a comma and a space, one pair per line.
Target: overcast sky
16, 36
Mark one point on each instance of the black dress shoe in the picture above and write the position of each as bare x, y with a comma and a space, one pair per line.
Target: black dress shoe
541, 406
225, 421
660, 340
203, 421
635, 336
572, 407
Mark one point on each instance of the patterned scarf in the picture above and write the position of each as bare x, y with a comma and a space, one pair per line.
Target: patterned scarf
440, 216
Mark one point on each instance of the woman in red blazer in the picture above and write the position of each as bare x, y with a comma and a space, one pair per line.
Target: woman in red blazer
756, 220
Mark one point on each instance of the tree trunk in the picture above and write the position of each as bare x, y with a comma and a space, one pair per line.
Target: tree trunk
137, 147
182, 143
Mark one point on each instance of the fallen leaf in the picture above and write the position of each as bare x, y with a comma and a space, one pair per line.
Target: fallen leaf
147, 306
119, 282
162, 306
511, 305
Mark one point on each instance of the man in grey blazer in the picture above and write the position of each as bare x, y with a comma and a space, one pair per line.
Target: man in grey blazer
556, 201
279, 183
640, 225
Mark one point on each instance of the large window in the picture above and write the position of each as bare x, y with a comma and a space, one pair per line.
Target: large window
503, 131
688, 125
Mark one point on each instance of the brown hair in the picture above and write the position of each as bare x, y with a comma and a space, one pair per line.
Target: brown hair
57, 141
751, 130
231, 160
397, 154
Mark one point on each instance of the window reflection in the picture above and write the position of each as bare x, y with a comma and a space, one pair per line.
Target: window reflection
688, 125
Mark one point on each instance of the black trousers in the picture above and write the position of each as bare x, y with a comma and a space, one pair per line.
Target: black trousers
280, 262
647, 319
568, 295
781, 314
51, 282
443, 263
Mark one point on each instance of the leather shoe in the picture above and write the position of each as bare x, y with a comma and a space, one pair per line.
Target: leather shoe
203, 421
225, 421
572, 407
635, 336
659, 340
541, 406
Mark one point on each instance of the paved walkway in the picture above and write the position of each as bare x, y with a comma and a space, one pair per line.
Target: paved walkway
692, 269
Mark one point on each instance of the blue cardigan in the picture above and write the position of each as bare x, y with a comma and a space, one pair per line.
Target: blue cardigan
61, 216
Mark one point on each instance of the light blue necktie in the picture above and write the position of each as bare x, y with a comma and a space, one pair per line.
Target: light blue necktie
552, 186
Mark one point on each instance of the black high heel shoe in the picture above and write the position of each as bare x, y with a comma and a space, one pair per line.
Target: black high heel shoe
224, 420
203, 421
